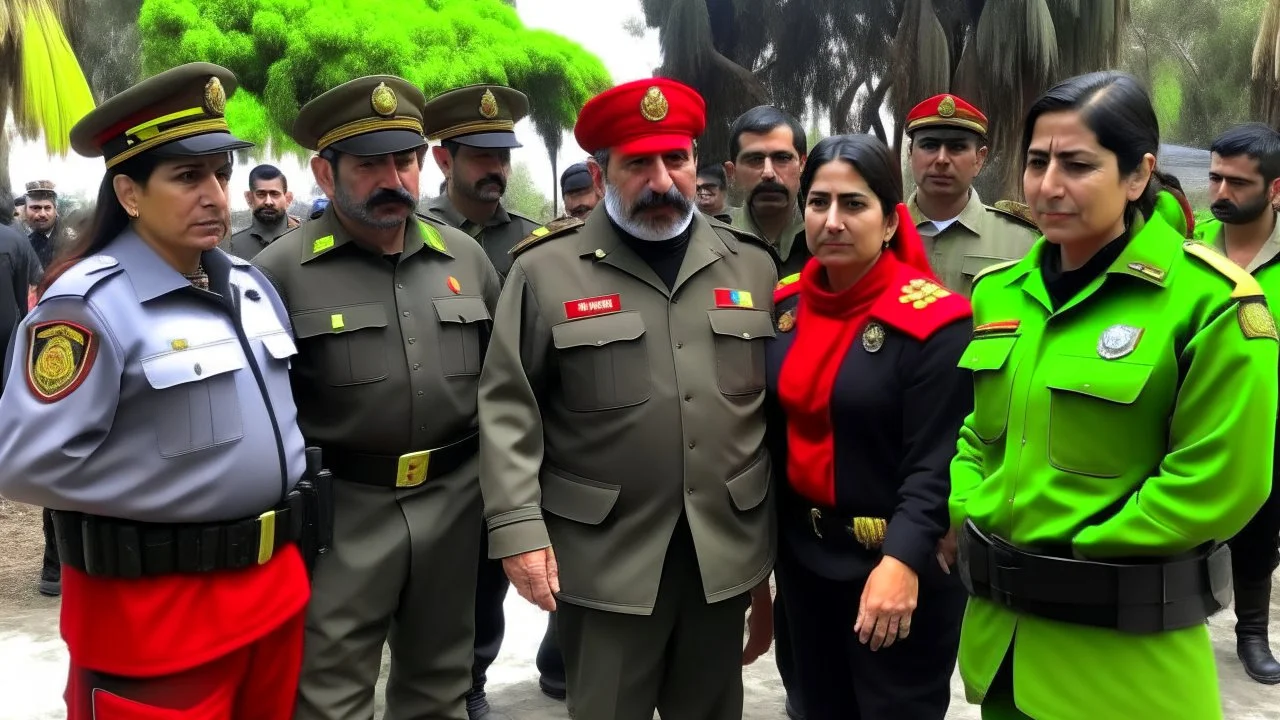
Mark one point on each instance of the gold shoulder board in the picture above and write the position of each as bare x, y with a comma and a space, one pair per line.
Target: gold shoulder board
1016, 211
992, 269
1245, 284
550, 230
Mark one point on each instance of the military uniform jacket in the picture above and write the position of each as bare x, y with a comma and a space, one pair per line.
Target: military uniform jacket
498, 235
19, 270
389, 348
131, 394
792, 250
250, 241
609, 406
981, 237
1137, 420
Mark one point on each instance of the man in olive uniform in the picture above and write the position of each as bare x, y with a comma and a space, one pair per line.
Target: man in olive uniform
392, 314
48, 236
579, 191
1244, 179
767, 151
475, 126
947, 139
269, 200
624, 478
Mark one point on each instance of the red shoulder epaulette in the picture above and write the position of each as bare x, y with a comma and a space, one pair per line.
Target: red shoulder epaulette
919, 306
786, 287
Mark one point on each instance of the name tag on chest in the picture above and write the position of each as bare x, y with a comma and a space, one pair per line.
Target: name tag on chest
587, 307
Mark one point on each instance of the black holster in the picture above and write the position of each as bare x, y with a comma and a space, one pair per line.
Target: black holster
316, 487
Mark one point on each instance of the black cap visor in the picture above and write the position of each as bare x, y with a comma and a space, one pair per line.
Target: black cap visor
488, 140
382, 142
204, 144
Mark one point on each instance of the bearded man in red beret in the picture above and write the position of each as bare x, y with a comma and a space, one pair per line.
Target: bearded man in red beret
625, 482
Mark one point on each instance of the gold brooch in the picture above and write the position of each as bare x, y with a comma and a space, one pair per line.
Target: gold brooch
787, 321
922, 293
654, 106
873, 337
215, 98
488, 105
384, 100
947, 108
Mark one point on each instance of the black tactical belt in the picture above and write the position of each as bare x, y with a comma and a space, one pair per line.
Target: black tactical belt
109, 547
1147, 597
402, 471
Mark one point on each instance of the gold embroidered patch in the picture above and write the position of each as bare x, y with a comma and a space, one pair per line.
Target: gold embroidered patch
488, 105
1256, 320
215, 97
654, 106
384, 100
947, 108
922, 293
59, 356
787, 321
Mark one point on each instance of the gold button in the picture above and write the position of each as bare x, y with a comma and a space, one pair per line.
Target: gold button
599, 253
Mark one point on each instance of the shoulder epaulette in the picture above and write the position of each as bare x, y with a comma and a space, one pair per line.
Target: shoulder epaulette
550, 230
430, 216
1015, 210
919, 306
1246, 286
525, 218
786, 287
81, 277
993, 269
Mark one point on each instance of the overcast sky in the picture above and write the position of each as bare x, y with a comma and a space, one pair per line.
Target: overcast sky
597, 26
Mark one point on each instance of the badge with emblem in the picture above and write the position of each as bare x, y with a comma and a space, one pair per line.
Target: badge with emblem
873, 337
1256, 320
947, 108
654, 105
215, 97
787, 321
384, 100
1118, 341
488, 105
58, 359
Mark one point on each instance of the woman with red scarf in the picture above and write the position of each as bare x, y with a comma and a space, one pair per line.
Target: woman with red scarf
866, 405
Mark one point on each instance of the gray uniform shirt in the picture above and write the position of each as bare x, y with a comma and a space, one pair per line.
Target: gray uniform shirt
168, 423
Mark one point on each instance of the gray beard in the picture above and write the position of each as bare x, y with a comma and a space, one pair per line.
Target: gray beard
639, 229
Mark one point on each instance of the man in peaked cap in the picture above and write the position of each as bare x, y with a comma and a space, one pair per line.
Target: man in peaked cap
948, 147
579, 191
475, 126
392, 313
624, 479
47, 235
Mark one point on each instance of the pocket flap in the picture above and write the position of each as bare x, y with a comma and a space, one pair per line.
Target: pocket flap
577, 498
461, 309
742, 323
280, 345
1116, 382
971, 265
193, 364
987, 353
599, 330
339, 320
749, 487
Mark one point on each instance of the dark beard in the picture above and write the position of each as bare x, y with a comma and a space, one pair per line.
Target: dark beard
268, 216
1232, 214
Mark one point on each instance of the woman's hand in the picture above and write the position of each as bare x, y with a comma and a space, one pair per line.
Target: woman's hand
888, 600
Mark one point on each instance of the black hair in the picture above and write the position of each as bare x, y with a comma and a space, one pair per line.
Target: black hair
20, 201
715, 172
763, 119
267, 172
1116, 108
870, 157
109, 216
1258, 141
453, 146
7, 209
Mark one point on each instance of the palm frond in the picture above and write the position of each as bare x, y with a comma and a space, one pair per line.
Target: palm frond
921, 57
1266, 66
51, 94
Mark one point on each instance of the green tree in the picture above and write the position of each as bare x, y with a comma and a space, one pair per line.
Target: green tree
524, 197
286, 52
1265, 88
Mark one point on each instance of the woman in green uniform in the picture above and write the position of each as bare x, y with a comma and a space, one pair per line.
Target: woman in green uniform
1125, 404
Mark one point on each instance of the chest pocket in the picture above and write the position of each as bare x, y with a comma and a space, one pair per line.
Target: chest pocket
352, 346
988, 358
1090, 405
604, 364
463, 326
279, 346
196, 405
740, 336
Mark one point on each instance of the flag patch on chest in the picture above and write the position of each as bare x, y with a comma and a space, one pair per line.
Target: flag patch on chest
998, 327
587, 307
727, 298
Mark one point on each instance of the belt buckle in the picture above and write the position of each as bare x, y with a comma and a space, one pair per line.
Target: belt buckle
411, 471
814, 516
266, 536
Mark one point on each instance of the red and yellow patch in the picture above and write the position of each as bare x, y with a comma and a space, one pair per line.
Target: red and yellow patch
998, 327
454, 285
59, 356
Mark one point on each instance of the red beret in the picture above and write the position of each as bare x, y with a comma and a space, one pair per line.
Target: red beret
644, 117
946, 111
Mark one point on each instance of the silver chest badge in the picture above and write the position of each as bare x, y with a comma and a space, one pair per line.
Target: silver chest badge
1118, 341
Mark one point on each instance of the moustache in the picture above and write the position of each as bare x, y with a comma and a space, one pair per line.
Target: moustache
769, 186
493, 178
1223, 206
391, 196
650, 200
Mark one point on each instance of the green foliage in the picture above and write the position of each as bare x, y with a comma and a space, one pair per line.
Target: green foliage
523, 196
1166, 94
286, 52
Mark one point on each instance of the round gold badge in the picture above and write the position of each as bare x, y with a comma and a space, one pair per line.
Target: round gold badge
55, 366
947, 108
384, 100
787, 321
873, 337
654, 106
215, 98
488, 105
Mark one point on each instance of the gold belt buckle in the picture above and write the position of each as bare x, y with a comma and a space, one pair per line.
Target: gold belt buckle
412, 469
266, 536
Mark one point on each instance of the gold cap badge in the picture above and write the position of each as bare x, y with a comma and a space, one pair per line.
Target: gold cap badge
215, 98
384, 100
654, 106
488, 105
873, 337
947, 108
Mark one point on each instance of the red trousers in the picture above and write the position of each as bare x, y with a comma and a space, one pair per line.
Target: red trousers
256, 682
